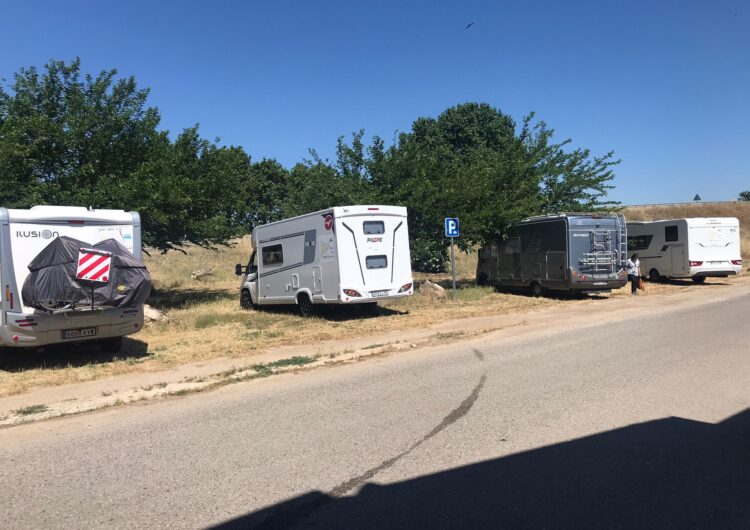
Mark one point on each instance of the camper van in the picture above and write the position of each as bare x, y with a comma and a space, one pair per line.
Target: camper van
697, 248
560, 252
24, 234
343, 255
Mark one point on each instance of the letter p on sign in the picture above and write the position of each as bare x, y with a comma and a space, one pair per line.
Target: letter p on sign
451, 227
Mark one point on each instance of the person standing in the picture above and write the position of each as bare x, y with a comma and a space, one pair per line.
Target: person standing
634, 273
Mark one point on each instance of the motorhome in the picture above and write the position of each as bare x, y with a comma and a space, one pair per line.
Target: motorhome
342, 255
560, 252
696, 248
24, 234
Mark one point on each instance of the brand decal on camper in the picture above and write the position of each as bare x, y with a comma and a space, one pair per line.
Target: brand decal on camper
45, 234
374, 239
328, 222
93, 265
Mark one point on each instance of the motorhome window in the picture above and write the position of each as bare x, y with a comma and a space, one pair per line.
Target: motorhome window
273, 255
513, 245
639, 242
670, 233
374, 227
377, 262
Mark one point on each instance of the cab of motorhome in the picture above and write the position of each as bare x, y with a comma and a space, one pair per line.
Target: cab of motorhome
696, 248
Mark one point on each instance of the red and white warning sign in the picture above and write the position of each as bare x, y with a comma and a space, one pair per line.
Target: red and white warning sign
93, 265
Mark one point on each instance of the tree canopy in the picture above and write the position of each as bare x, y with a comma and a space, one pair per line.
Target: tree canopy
70, 138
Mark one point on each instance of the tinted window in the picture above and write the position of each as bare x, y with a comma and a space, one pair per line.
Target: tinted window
639, 242
513, 245
377, 262
374, 227
670, 233
273, 255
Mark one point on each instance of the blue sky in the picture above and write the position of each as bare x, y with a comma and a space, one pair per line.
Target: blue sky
665, 84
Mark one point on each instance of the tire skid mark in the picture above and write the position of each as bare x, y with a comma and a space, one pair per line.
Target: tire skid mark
283, 520
478, 353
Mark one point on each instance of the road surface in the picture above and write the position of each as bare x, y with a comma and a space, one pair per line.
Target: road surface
639, 423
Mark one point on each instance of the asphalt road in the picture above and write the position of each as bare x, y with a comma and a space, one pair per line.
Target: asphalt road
643, 423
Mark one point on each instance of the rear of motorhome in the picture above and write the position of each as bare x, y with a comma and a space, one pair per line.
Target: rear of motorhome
24, 234
561, 252
342, 255
697, 248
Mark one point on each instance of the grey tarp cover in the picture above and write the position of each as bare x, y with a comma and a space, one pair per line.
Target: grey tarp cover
52, 283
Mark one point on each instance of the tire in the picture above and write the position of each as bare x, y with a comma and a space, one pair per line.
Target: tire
482, 279
246, 300
305, 305
699, 280
111, 345
536, 289
654, 276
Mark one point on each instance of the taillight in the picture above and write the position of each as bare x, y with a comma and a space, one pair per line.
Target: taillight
696, 263
26, 323
404, 288
736, 262
352, 293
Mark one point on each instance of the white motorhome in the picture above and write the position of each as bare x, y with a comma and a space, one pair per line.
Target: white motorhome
696, 248
343, 255
23, 235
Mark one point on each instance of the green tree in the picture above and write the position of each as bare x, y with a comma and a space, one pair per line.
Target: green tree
61, 133
744, 196
472, 161
73, 139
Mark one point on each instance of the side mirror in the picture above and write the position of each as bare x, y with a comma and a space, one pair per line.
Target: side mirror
238, 269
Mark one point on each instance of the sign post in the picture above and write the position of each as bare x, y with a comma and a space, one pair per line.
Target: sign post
452, 231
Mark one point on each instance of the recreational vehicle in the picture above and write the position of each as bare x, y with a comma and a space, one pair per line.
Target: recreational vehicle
343, 255
24, 237
562, 252
697, 248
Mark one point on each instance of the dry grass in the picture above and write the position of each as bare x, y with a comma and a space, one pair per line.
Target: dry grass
205, 321
740, 210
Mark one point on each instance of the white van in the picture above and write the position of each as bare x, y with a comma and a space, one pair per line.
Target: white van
343, 255
697, 248
23, 235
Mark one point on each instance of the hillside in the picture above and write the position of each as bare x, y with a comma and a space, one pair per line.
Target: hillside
740, 210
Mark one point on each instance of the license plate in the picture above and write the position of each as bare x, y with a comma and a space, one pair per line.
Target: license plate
376, 294
600, 283
78, 333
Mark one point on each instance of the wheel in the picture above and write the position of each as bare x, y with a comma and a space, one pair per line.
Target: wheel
246, 300
654, 276
111, 345
536, 289
482, 279
305, 305
699, 279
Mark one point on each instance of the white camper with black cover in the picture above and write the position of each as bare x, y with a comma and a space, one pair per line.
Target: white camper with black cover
25, 234
343, 255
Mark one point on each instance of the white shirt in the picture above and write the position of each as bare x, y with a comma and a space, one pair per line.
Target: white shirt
634, 267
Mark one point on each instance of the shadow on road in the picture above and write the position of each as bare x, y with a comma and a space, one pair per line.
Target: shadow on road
670, 473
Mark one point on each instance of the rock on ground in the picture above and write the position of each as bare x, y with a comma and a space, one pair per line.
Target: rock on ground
432, 289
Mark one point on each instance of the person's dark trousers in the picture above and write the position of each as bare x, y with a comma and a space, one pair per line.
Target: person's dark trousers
633, 283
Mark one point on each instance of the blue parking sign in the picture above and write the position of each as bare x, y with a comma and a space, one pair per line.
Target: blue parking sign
451, 227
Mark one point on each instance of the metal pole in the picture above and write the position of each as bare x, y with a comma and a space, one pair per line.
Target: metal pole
453, 269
